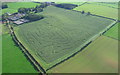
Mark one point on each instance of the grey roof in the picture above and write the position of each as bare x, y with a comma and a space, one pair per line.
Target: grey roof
21, 21
16, 16
18, 22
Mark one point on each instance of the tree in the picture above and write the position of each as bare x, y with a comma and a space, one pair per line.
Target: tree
66, 6
83, 12
4, 17
43, 5
22, 10
37, 6
33, 17
88, 13
4, 5
38, 10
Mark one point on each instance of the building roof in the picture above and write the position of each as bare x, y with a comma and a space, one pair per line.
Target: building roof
16, 16
21, 21
18, 22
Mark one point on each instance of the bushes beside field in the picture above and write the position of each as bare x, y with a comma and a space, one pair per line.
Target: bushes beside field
4, 5
66, 6
33, 17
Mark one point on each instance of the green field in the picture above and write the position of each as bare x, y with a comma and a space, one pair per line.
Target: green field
99, 10
14, 6
108, 4
13, 60
58, 36
113, 32
101, 56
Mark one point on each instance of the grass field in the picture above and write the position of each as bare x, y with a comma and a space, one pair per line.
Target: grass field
113, 32
57, 36
99, 10
108, 4
13, 60
14, 6
101, 56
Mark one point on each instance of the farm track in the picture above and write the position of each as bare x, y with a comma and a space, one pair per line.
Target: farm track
26, 52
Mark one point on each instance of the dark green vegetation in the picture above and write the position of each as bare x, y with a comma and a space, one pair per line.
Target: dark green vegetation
33, 17
113, 32
66, 6
101, 56
14, 6
14, 60
36, 9
3, 6
60, 34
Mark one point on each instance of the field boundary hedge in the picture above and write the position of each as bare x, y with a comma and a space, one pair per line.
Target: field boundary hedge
96, 15
25, 51
83, 3
103, 17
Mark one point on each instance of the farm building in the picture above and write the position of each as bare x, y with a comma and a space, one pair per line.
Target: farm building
8, 14
20, 21
16, 16
50, 3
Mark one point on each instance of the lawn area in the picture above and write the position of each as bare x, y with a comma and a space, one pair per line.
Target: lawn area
13, 60
99, 10
113, 32
60, 34
14, 6
101, 56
